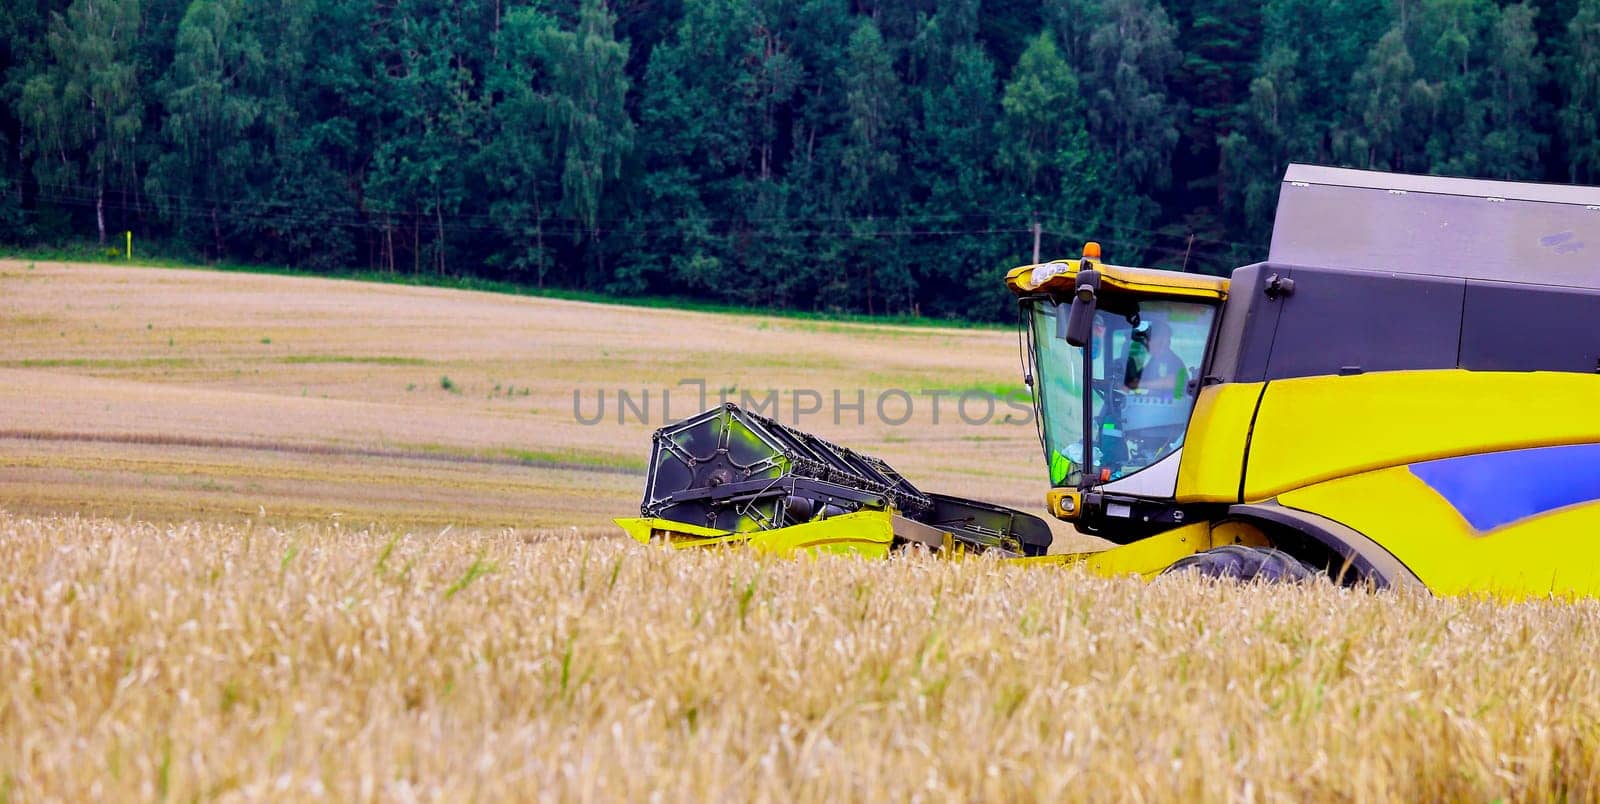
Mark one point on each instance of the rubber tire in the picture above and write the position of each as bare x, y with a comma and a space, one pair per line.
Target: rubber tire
1244, 564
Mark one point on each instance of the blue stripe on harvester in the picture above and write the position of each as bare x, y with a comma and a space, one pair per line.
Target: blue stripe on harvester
1498, 488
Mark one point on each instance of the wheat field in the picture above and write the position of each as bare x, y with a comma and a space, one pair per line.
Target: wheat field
279, 538
240, 660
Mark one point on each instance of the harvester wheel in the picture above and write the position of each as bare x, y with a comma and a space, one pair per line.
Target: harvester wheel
1242, 563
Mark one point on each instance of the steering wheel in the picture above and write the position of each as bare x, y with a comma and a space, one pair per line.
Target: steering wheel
1116, 395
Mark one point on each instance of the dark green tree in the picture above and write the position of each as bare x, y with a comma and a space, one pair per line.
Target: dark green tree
320, 115
1047, 156
710, 123
22, 51
1276, 125
954, 171
874, 117
518, 160
1132, 114
84, 108
1512, 130
585, 110
1395, 103
1453, 88
869, 158
1301, 107
211, 101
1221, 42
1579, 77
434, 109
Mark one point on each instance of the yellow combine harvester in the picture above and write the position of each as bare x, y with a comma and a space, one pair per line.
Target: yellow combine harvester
1406, 393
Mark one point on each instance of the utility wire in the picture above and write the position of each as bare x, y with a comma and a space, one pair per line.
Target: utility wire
193, 207
451, 224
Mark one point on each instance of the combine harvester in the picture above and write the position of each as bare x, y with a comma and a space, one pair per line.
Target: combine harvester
1405, 394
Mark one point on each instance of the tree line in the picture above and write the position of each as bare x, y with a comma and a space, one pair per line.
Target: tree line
879, 156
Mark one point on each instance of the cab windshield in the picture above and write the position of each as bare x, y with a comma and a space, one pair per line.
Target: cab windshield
1143, 360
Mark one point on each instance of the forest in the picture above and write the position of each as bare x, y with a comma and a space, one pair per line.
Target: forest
861, 156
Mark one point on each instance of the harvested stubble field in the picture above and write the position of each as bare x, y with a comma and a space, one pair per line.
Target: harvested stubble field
175, 394
307, 567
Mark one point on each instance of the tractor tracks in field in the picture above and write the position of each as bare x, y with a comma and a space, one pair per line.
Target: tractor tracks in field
323, 450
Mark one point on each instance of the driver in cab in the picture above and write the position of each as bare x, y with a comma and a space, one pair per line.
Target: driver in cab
1159, 369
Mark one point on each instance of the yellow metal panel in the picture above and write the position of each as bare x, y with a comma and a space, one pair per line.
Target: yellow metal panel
637, 528
1171, 283
1062, 276
644, 529
1551, 554
1146, 557
1314, 429
864, 533
1213, 452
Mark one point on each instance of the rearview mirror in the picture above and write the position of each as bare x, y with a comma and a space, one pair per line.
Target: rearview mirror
1080, 320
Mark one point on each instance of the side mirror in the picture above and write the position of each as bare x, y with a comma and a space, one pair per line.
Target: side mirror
1080, 322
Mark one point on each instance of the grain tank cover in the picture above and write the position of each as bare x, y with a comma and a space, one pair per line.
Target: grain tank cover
1373, 272
1496, 231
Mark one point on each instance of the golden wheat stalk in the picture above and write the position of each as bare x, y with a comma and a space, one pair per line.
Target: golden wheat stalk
203, 661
